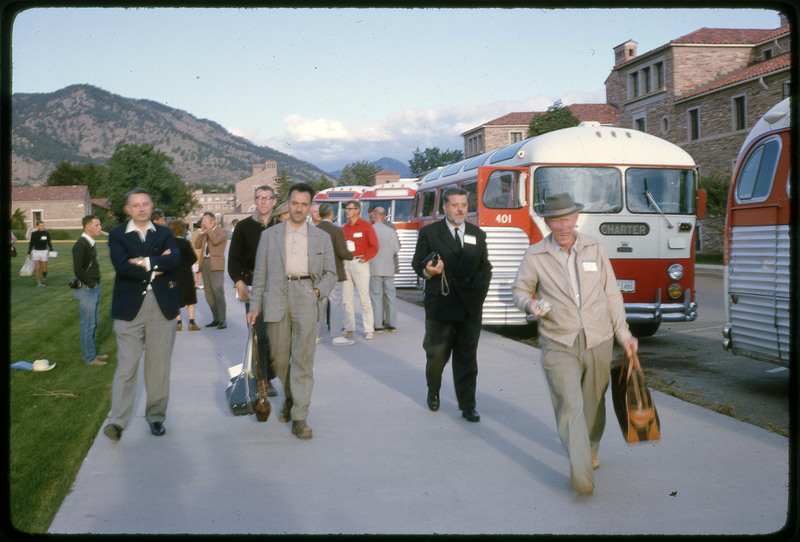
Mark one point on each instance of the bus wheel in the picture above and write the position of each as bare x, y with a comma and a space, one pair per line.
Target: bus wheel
644, 330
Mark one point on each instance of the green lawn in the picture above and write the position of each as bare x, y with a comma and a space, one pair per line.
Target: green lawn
55, 415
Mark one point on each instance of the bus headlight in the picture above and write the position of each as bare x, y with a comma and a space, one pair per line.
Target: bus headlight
674, 291
675, 271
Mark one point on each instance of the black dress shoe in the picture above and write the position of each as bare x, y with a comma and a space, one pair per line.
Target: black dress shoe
433, 401
222, 324
215, 323
157, 428
471, 415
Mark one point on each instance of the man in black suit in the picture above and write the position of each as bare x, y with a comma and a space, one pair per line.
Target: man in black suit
144, 303
455, 288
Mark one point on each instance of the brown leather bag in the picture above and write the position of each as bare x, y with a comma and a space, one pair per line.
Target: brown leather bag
633, 404
262, 406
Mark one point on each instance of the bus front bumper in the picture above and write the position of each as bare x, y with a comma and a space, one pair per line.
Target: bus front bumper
643, 313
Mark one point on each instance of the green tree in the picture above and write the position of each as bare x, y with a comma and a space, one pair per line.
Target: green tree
141, 165
431, 158
357, 174
717, 187
557, 116
323, 183
282, 184
18, 220
89, 174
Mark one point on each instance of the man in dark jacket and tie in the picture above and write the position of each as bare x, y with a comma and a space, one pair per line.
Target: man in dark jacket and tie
144, 304
457, 280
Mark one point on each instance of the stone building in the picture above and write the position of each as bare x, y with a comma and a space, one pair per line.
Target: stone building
263, 174
513, 127
383, 176
221, 204
704, 92
60, 207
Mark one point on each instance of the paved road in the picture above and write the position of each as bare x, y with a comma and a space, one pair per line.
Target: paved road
381, 462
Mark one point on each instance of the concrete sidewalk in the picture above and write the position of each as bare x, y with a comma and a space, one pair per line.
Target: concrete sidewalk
381, 462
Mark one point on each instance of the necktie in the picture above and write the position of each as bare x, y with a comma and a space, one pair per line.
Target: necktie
457, 237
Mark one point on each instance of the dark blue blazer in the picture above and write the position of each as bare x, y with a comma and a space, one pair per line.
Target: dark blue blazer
130, 284
468, 272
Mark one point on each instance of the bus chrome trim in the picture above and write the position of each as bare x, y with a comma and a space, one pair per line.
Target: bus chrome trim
642, 313
506, 248
406, 277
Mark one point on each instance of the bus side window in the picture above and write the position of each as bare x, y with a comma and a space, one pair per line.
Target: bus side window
428, 203
471, 189
755, 180
501, 190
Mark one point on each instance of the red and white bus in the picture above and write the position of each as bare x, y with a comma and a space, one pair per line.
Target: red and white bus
641, 200
757, 274
397, 198
337, 197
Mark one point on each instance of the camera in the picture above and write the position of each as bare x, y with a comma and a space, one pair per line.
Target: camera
433, 257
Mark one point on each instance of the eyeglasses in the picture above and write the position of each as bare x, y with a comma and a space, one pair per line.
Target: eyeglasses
351, 208
264, 198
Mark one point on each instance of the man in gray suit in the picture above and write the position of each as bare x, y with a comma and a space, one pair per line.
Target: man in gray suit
294, 268
381, 274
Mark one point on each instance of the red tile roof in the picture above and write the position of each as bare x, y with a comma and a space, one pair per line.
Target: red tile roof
762, 68
602, 113
49, 193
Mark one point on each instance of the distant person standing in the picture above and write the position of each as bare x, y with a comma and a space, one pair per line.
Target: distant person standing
381, 268
39, 250
144, 303
86, 267
294, 269
198, 273
187, 294
314, 214
340, 253
455, 289
242, 262
158, 217
363, 243
211, 242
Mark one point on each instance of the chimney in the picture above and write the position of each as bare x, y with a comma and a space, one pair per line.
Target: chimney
624, 52
784, 19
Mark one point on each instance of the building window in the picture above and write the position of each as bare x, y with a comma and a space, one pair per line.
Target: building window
515, 137
659, 75
739, 113
665, 125
646, 79
787, 89
693, 124
640, 124
634, 77
766, 54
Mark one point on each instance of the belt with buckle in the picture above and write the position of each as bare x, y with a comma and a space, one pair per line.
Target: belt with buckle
294, 277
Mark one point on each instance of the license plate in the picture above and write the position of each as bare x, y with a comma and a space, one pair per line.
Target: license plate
626, 286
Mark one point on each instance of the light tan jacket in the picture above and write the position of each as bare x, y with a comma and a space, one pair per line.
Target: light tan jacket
542, 275
217, 238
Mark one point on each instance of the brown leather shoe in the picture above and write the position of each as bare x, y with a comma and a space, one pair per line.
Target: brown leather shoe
193, 327
180, 325
301, 429
102, 357
96, 363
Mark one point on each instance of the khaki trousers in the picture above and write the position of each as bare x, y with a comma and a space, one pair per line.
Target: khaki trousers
578, 379
294, 338
152, 332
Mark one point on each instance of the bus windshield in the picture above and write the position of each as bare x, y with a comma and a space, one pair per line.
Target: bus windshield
599, 189
399, 212
660, 190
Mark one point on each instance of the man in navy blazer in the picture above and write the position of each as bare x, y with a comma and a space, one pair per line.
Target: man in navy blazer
144, 303
455, 289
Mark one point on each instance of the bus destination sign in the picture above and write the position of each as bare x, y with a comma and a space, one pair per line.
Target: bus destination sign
624, 228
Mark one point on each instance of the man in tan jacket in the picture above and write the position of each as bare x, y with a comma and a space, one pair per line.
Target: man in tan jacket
566, 281
211, 242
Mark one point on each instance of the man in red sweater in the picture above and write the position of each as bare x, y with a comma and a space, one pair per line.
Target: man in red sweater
363, 243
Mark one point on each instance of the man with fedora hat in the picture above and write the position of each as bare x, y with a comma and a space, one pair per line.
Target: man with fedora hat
566, 281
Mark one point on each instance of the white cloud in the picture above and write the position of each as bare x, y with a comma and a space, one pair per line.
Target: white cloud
331, 144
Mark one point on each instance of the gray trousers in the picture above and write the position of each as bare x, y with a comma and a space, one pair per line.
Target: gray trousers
152, 333
294, 338
214, 282
578, 379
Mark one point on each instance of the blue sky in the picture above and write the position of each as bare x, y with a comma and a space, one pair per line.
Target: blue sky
334, 86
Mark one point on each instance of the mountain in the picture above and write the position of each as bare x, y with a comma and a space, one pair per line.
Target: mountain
83, 123
384, 163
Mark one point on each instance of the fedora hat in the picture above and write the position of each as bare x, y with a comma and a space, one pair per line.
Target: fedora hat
42, 365
559, 205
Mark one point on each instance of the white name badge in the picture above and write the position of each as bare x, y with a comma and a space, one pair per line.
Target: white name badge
469, 239
589, 265
357, 234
